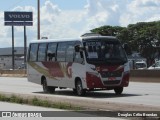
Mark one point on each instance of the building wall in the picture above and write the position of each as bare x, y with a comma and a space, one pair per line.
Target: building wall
1, 65
6, 62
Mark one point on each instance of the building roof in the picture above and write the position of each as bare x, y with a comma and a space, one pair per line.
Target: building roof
8, 51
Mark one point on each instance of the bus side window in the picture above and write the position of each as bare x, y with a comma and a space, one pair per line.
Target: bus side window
33, 52
42, 52
70, 52
51, 52
61, 52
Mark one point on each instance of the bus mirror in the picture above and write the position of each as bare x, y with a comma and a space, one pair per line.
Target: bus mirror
78, 48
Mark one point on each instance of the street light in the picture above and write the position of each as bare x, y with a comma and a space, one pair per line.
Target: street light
38, 19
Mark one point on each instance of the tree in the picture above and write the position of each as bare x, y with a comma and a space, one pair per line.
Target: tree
108, 30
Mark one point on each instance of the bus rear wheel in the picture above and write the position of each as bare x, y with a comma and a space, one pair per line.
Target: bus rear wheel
74, 91
47, 89
79, 88
118, 90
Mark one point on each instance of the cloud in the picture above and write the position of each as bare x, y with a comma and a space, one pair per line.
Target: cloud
105, 12
67, 23
49, 12
64, 25
49, 7
146, 3
58, 23
140, 11
26, 8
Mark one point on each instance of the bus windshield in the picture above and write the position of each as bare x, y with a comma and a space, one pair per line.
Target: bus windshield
104, 52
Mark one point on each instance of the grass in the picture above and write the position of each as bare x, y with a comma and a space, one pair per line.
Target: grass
38, 102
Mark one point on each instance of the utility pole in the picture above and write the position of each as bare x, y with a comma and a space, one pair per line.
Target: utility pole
38, 19
12, 47
25, 44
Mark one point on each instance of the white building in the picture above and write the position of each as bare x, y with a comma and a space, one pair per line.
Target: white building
6, 57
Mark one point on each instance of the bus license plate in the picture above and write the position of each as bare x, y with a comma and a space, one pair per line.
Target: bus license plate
111, 78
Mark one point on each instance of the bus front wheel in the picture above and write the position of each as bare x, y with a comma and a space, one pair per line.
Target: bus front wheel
79, 88
118, 90
47, 89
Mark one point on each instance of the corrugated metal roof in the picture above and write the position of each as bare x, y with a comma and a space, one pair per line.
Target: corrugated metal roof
8, 51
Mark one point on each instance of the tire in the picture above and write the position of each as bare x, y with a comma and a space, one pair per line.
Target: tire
79, 89
47, 89
118, 90
74, 91
51, 89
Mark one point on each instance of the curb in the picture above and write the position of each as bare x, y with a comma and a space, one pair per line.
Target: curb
86, 103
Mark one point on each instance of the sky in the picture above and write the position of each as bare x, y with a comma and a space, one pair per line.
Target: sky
72, 18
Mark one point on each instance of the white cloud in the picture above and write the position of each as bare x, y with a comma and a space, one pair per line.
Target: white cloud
146, 3
49, 7
111, 9
64, 25
139, 11
155, 17
49, 12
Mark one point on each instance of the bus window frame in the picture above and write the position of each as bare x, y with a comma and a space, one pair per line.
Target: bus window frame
56, 43
59, 43
29, 57
73, 44
44, 52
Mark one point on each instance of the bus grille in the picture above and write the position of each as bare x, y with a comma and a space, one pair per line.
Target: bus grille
111, 74
111, 82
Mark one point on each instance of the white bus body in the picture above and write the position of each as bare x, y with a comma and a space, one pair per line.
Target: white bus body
81, 64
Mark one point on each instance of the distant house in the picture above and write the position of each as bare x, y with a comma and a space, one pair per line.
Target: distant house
6, 57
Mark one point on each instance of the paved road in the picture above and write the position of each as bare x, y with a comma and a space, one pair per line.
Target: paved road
146, 94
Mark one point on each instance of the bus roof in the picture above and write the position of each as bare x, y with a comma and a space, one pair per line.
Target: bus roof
55, 40
99, 37
73, 39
